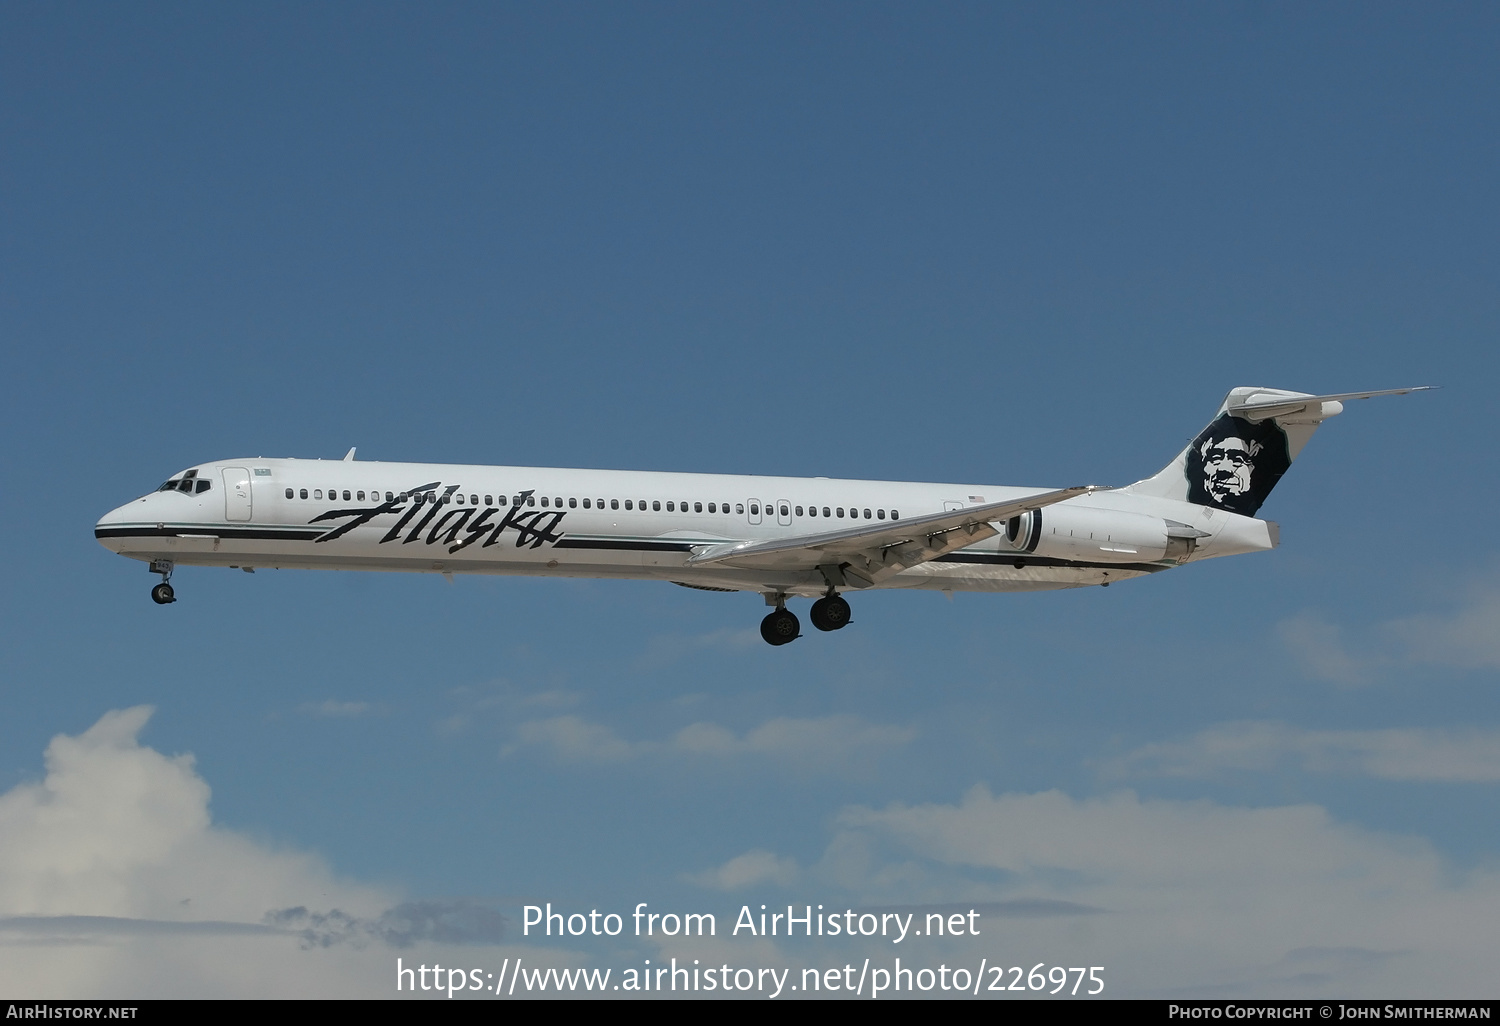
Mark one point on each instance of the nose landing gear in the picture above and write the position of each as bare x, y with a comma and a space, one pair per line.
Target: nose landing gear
162, 594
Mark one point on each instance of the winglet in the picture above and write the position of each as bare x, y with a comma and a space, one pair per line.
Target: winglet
349, 456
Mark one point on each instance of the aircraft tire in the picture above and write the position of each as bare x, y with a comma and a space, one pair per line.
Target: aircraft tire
780, 627
830, 614
162, 594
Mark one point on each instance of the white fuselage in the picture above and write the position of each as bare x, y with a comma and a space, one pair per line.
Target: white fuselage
437, 518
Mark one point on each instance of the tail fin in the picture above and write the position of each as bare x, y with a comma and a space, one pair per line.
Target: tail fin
1237, 459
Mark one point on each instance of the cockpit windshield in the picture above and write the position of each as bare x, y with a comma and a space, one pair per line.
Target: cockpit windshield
188, 482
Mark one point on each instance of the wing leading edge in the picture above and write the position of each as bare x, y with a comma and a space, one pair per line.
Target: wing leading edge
868, 555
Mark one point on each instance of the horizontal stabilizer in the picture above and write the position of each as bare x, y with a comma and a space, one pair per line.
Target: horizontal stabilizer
1282, 407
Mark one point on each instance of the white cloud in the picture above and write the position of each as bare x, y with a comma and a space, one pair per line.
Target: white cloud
330, 707
114, 882
666, 649
827, 738
826, 741
1465, 637
1319, 647
572, 739
748, 870
1410, 754
1198, 898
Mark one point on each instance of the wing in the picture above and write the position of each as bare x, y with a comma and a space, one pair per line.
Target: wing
868, 555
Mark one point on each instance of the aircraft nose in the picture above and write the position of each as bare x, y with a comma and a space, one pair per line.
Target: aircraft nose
109, 530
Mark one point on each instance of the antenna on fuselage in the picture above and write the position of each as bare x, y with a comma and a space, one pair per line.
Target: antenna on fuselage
349, 456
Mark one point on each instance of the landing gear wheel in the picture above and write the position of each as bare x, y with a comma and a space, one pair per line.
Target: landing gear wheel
162, 594
780, 627
830, 614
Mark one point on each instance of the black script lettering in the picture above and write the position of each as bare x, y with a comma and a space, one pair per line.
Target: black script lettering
360, 516
436, 504
460, 515
479, 527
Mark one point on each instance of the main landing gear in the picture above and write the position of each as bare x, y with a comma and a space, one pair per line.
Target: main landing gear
830, 613
162, 594
780, 627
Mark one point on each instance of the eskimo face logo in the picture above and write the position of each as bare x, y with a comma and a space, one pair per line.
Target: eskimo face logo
1227, 467
1234, 464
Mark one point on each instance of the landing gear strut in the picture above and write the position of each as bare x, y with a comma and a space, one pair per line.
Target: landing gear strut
830, 613
162, 594
781, 625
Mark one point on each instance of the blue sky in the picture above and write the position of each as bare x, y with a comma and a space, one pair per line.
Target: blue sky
977, 243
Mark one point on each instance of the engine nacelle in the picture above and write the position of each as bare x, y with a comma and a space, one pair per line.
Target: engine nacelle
1099, 535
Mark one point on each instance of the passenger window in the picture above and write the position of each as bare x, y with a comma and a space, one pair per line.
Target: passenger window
711, 508
838, 511
880, 514
826, 513
303, 493
473, 499
867, 514
500, 500
755, 509
671, 507
697, 507
895, 515
544, 500
614, 503
531, 500
489, 500
587, 504
317, 493
346, 495
785, 511
812, 511
739, 507
288, 493
627, 504
360, 496
797, 510
656, 504
572, 503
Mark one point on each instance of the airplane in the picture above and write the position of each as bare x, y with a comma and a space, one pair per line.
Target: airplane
816, 538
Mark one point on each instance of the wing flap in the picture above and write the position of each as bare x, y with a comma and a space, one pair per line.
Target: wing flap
871, 554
